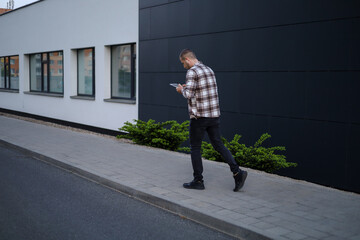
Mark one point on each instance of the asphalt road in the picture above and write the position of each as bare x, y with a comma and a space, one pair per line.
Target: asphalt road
40, 201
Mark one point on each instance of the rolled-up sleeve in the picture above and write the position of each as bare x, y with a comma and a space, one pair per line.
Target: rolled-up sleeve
189, 90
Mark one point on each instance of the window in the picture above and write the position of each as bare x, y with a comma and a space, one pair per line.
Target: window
86, 72
46, 72
123, 71
9, 72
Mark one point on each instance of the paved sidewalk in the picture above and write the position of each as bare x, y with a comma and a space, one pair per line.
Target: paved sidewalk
268, 207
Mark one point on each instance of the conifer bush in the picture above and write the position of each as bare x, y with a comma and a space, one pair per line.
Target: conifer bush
255, 157
167, 135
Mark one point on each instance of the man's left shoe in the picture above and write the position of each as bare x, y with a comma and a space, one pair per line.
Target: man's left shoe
194, 184
240, 178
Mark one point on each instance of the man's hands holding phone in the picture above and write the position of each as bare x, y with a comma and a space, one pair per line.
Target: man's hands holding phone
180, 87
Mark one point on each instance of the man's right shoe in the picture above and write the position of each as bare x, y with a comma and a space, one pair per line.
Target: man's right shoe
198, 185
240, 178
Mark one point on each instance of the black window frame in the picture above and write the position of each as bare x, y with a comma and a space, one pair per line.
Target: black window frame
133, 71
7, 73
47, 62
93, 72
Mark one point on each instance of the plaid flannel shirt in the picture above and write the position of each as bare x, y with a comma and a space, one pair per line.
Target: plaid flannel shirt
201, 92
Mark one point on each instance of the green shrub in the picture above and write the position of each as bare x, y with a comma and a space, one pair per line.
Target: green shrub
256, 157
167, 135
170, 135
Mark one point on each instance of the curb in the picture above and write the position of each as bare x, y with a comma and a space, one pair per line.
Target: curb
201, 218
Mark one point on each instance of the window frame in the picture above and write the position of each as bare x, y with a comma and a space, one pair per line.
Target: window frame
133, 73
47, 62
93, 72
7, 74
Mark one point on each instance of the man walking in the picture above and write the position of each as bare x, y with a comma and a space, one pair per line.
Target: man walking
203, 102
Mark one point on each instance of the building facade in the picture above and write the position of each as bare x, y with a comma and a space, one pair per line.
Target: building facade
70, 60
288, 68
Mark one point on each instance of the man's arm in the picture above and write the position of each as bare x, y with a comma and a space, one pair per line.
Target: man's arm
188, 89
180, 87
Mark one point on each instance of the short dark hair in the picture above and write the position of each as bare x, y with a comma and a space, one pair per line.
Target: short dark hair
187, 53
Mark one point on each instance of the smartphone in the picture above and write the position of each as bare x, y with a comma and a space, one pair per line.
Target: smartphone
174, 84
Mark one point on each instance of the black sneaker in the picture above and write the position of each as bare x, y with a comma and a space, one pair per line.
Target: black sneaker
240, 180
194, 184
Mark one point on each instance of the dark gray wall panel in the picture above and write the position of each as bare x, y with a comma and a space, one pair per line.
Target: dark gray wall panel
155, 3
155, 56
175, 21
163, 113
329, 96
151, 3
166, 94
319, 148
144, 22
352, 163
354, 96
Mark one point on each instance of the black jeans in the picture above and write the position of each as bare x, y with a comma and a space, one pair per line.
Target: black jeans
197, 132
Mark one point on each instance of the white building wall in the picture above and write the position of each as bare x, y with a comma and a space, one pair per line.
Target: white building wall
67, 25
